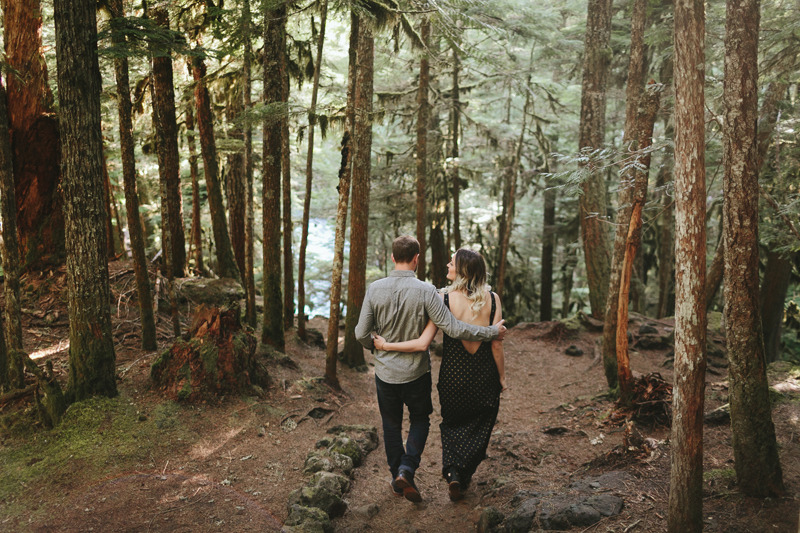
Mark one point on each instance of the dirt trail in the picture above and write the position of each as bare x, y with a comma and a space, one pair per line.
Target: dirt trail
231, 467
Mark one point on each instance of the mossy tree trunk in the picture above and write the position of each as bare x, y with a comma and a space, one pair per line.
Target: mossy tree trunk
686, 477
286, 184
226, 263
196, 230
235, 183
455, 130
274, 64
596, 61
35, 138
135, 230
92, 369
755, 448
362, 167
312, 120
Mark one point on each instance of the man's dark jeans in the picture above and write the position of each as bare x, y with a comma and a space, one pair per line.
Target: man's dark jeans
416, 395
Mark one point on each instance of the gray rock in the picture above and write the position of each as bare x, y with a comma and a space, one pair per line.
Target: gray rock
521, 520
367, 510
606, 504
580, 514
652, 342
574, 351
490, 521
315, 338
644, 329
324, 491
523, 495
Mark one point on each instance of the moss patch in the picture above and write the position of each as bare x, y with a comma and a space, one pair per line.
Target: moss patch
721, 473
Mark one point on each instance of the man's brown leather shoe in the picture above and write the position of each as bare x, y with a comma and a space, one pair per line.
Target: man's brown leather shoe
405, 482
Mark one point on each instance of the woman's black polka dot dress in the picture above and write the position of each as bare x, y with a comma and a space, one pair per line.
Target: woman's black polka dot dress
469, 393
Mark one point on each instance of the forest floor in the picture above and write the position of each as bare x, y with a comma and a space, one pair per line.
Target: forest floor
139, 463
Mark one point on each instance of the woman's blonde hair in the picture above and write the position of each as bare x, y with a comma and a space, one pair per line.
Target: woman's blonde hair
470, 279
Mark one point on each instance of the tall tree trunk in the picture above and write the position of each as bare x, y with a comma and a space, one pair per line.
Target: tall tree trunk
548, 229
120, 235
112, 251
226, 263
249, 263
666, 242
196, 234
715, 272
92, 369
135, 230
166, 127
636, 69
359, 226
686, 477
755, 449
288, 257
455, 130
166, 231
648, 107
596, 60
11, 366
570, 262
274, 63
512, 190
778, 269
312, 120
349, 146
34, 138
774, 287
438, 191
423, 118
236, 183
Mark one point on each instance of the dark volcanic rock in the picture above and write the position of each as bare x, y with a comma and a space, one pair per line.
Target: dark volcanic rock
574, 351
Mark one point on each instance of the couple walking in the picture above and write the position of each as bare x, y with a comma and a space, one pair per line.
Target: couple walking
399, 318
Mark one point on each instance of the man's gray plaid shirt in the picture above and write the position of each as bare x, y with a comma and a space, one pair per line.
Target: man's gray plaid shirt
398, 308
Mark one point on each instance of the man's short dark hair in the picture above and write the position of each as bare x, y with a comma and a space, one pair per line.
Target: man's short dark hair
404, 248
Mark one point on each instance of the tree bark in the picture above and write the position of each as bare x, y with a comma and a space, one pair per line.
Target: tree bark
715, 271
349, 146
570, 262
548, 228
112, 251
166, 127
226, 263
423, 118
135, 230
774, 287
236, 183
648, 107
196, 233
686, 476
755, 449
249, 263
92, 369
666, 243
288, 257
11, 365
34, 138
636, 69
359, 226
455, 130
274, 63
596, 60
312, 120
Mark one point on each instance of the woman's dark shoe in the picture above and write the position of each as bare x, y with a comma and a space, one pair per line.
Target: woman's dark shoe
454, 485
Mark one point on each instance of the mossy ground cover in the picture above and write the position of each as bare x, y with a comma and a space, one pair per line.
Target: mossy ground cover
98, 439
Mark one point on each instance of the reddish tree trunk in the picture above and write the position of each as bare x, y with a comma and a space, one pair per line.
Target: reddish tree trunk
34, 138
636, 69
196, 233
166, 127
359, 228
755, 449
454, 133
236, 185
107, 198
249, 263
714, 276
422, 148
648, 107
686, 478
288, 257
226, 263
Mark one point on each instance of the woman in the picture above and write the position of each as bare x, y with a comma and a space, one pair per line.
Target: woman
472, 374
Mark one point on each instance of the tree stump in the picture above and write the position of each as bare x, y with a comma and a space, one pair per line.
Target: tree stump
217, 359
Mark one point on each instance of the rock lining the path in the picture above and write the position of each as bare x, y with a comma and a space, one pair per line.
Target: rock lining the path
582, 503
331, 462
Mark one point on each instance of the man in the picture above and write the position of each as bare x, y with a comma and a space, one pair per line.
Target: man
398, 308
